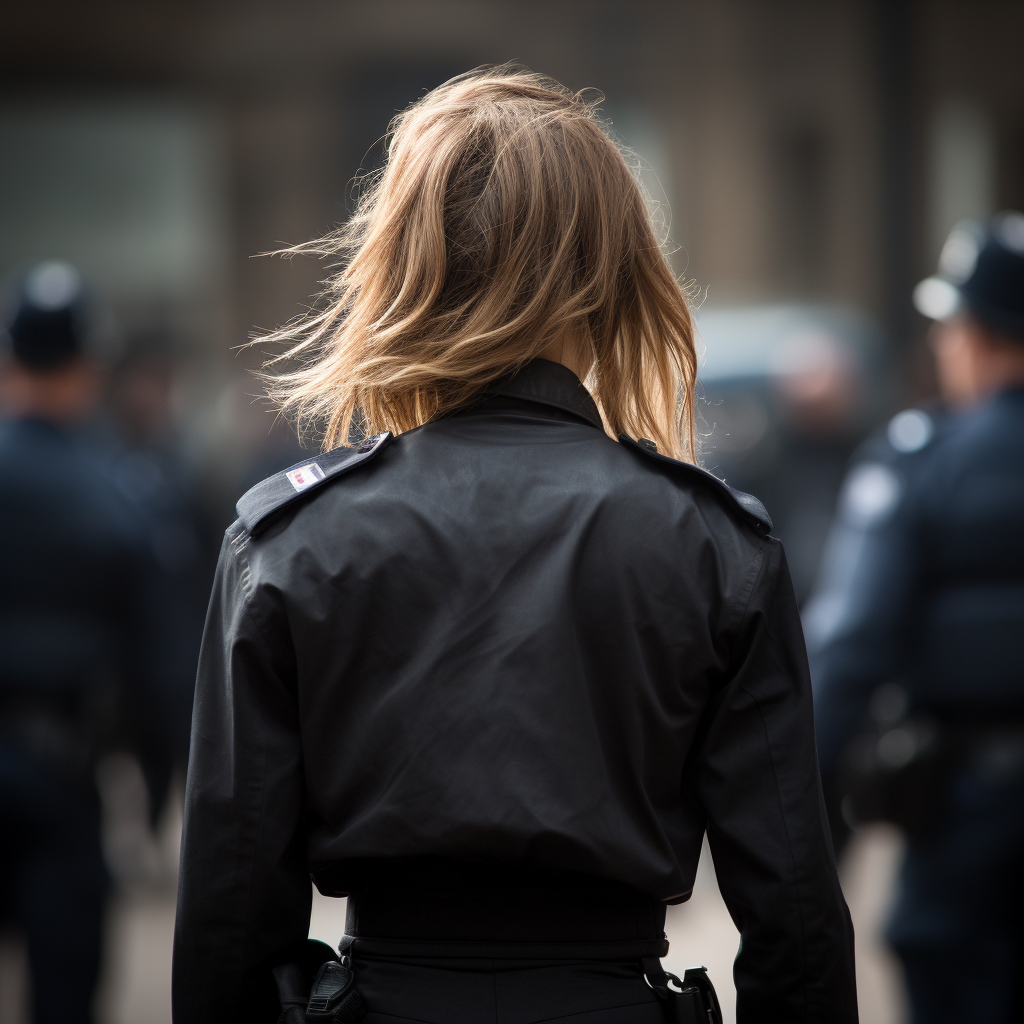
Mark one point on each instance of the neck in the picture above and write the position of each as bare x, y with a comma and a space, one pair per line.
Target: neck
1002, 370
64, 394
570, 352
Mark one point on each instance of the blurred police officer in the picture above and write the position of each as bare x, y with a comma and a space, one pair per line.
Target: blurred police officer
917, 641
71, 638
183, 539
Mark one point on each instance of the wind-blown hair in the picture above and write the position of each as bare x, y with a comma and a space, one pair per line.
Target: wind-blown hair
505, 218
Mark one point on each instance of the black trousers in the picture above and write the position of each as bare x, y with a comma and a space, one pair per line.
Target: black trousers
956, 920
53, 885
511, 956
504, 991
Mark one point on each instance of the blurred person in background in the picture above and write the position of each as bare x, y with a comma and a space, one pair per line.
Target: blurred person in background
788, 438
916, 636
74, 636
494, 677
818, 385
182, 541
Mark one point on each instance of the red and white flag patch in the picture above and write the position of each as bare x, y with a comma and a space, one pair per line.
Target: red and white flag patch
304, 476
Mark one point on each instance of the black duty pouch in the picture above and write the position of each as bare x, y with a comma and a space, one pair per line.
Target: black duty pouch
316, 988
333, 999
690, 1001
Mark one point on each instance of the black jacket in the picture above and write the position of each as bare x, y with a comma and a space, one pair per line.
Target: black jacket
505, 637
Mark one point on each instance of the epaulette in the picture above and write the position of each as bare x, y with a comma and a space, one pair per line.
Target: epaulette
910, 431
259, 503
747, 505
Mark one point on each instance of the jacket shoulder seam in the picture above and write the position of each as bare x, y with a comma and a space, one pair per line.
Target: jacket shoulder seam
754, 574
750, 509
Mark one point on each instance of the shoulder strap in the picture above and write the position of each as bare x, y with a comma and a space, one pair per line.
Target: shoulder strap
280, 490
747, 505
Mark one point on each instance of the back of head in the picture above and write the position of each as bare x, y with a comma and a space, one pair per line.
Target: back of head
981, 273
47, 329
505, 219
49, 375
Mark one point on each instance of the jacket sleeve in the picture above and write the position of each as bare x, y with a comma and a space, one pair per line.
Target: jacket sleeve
244, 891
757, 779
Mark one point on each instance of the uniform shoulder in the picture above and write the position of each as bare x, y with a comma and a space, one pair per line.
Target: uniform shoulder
904, 437
257, 507
744, 505
887, 464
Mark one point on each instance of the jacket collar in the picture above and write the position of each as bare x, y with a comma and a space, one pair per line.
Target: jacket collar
549, 383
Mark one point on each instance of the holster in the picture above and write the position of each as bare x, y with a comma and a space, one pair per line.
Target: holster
690, 1001
317, 988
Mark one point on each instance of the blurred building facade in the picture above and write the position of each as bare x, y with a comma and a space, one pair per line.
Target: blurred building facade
805, 150
799, 152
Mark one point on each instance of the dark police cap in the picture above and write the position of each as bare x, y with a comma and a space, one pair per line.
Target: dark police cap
980, 272
47, 328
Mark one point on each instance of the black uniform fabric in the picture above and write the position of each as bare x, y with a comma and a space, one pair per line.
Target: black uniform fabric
507, 639
443, 906
471, 991
71, 646
923, 594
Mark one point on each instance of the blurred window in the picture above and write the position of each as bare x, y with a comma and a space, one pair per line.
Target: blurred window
128, 189
801, 214
961, 173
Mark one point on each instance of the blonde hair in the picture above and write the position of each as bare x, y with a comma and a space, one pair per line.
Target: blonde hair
505, 218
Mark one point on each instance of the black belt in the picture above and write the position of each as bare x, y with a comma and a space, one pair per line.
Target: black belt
353, 945
519, 924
